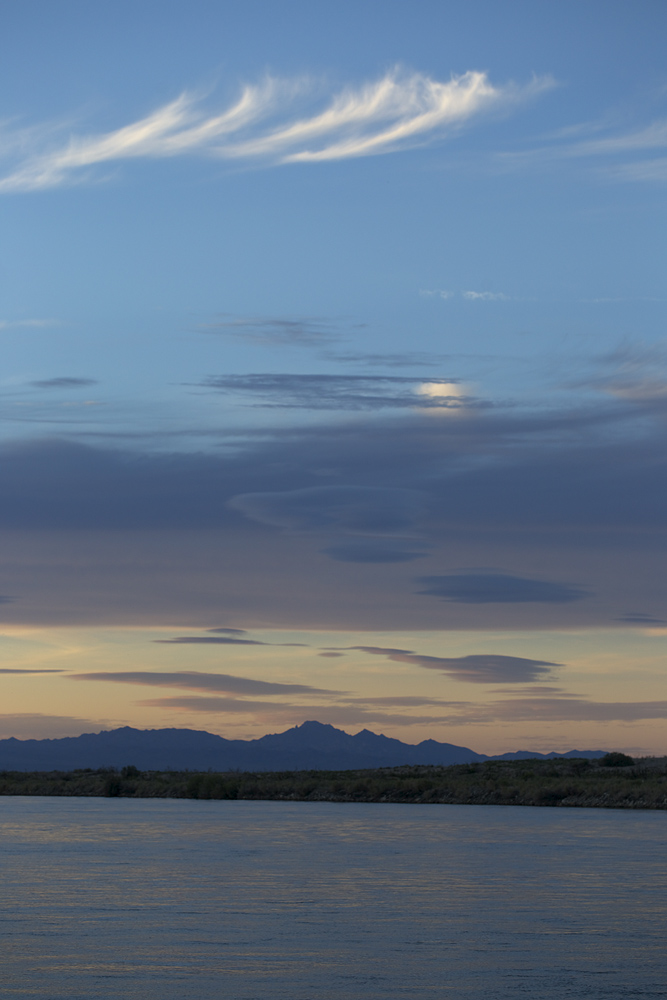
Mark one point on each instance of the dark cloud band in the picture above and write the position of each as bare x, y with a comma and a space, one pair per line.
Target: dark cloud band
481, 668
498, 588
339, 392
193, 680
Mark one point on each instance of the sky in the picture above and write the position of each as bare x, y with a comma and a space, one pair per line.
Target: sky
335, 369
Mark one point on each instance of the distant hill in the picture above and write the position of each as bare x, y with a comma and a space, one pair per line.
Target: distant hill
310, 746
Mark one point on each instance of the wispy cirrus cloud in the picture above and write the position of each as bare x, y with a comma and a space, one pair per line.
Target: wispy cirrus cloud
642, 170
18, 324
652, 136
269, 123
622, 151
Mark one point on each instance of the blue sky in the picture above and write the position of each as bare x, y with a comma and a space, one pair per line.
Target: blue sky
343, 325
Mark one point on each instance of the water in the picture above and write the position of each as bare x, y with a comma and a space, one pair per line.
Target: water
201, 900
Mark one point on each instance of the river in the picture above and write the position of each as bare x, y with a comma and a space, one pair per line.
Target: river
224, 900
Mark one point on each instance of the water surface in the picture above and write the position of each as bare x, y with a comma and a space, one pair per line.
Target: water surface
171, 899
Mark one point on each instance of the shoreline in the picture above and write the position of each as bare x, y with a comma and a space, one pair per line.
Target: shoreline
574, 782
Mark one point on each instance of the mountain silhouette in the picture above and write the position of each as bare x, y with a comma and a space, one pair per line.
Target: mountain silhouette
310, 746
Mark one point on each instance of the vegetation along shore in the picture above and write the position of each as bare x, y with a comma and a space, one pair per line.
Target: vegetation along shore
616, 781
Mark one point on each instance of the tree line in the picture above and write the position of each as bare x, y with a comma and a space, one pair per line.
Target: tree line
615, 781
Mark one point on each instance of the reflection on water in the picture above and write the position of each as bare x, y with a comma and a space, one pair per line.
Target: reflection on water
167, 900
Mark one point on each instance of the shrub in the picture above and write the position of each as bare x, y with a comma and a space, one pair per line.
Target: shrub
616, 759
112, 787
193, 786
552, 796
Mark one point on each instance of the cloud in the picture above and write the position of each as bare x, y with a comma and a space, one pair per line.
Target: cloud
276, 713
635, 371
566, 709
577, 467
643, 170
172, 130
306, 332
64, 382
651, 136
193, 680
8, 324
485, 296
623, 151
648, 390
20, 670
343, 392
471, 296
39, 726
221, 640
212, 640
402, 701
441, 293
228, 631
404, 359
213, 704
370, 711
382, 650
371, 554
639, 619
484, 668
351, 509
397, 112
494, 588
580, 490
572, 467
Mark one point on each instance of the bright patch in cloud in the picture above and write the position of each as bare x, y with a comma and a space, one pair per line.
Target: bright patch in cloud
442, 390
448, 398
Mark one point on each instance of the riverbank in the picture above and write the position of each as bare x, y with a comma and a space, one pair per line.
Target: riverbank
574, 782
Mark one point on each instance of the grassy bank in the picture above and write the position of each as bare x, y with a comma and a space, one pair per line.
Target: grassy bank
609, 784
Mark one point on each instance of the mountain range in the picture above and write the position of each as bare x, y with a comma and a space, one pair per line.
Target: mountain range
310, 746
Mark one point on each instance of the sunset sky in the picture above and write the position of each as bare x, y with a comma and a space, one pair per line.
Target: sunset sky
335, 369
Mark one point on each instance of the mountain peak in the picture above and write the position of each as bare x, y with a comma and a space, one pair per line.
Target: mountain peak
312, 745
